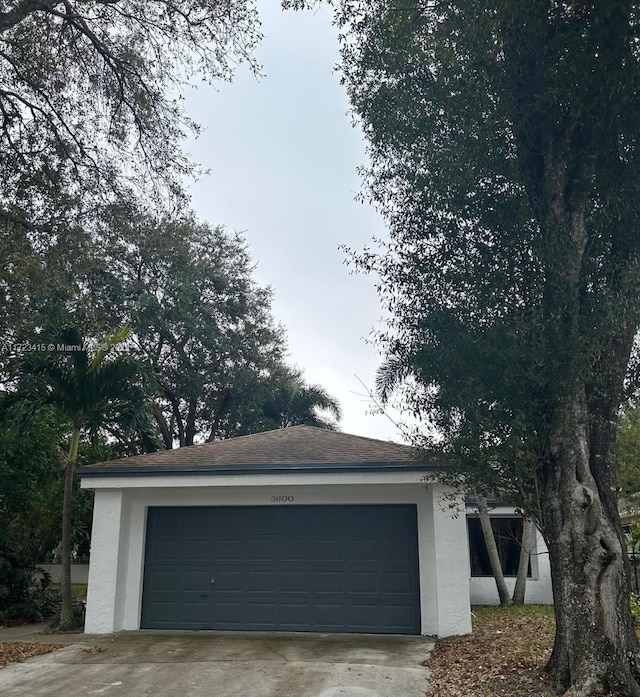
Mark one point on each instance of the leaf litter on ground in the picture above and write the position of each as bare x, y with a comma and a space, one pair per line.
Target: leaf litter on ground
503, 657
18, 651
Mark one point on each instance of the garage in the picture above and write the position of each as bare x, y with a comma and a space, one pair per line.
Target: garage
322, 568
299, 529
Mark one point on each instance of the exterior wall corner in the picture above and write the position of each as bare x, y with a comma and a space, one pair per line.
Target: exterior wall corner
447, 556
101, 613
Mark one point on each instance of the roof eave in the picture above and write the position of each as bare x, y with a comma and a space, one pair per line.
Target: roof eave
313, 468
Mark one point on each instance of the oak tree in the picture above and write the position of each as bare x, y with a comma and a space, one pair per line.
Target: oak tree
91, 97
203, 324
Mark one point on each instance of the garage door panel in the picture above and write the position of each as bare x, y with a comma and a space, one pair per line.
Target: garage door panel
398, 616
170, 523
195, 550
164, 614
195, 580
365, 617
398, 551
193, 611
228, 549
329, 581
295, 613
290, 568
291, 521
260, 580
364, 550
362, 582
164, 551
228, 579
262, 615
289, 549
328, 550
396, 582
330, 616
294, 581
262, 549
231, 521
163, 580
229, 612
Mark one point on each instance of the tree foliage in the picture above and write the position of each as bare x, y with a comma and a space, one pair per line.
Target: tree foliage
199, 321
31, 484
292, 402
90, 96
503, 143
204, 326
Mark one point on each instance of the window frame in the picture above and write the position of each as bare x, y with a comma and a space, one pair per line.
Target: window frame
533, 574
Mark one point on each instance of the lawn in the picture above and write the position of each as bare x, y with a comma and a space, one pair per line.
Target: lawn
504, 657
78, 590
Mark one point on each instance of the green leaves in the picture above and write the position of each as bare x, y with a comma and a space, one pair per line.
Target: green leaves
495, 134
291, 402
95, 391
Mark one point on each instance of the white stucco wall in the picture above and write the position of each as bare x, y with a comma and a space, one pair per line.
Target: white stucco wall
483, 590
117, 551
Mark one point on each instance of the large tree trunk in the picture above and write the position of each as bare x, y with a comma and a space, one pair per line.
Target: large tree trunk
492, 551
66, 607
595, 646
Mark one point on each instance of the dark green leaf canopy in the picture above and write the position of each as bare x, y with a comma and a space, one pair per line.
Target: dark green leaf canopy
503, 144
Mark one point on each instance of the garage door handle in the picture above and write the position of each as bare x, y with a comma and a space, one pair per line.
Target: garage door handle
213, 580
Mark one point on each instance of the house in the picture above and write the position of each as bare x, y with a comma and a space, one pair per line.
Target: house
629, 513
298, 529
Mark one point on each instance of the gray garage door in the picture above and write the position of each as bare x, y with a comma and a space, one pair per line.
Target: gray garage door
288, 568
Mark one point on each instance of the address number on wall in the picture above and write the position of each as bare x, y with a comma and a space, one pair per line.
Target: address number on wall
282, 499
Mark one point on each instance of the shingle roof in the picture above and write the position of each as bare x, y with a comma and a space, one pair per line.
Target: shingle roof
297, 448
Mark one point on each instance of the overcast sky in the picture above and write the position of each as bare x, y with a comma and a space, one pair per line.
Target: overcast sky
283, 156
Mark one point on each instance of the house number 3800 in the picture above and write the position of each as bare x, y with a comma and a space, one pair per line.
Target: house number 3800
281, 499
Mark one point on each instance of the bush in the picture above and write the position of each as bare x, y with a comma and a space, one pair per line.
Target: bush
25, 595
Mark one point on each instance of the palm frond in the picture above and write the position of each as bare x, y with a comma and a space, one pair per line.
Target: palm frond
389, 377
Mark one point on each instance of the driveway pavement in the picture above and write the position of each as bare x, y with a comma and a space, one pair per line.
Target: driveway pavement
214, 664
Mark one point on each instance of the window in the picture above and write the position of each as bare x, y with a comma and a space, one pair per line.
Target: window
508, 534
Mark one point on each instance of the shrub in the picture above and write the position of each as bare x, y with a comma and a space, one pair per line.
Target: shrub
25, 595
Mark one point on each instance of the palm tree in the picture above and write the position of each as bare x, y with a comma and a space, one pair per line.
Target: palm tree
95, 392
292, 402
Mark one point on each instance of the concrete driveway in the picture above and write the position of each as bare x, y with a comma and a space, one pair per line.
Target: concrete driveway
189, 664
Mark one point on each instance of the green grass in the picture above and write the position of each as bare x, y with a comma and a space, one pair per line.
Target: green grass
79, 590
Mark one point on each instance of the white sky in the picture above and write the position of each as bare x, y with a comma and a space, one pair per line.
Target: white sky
283, 156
